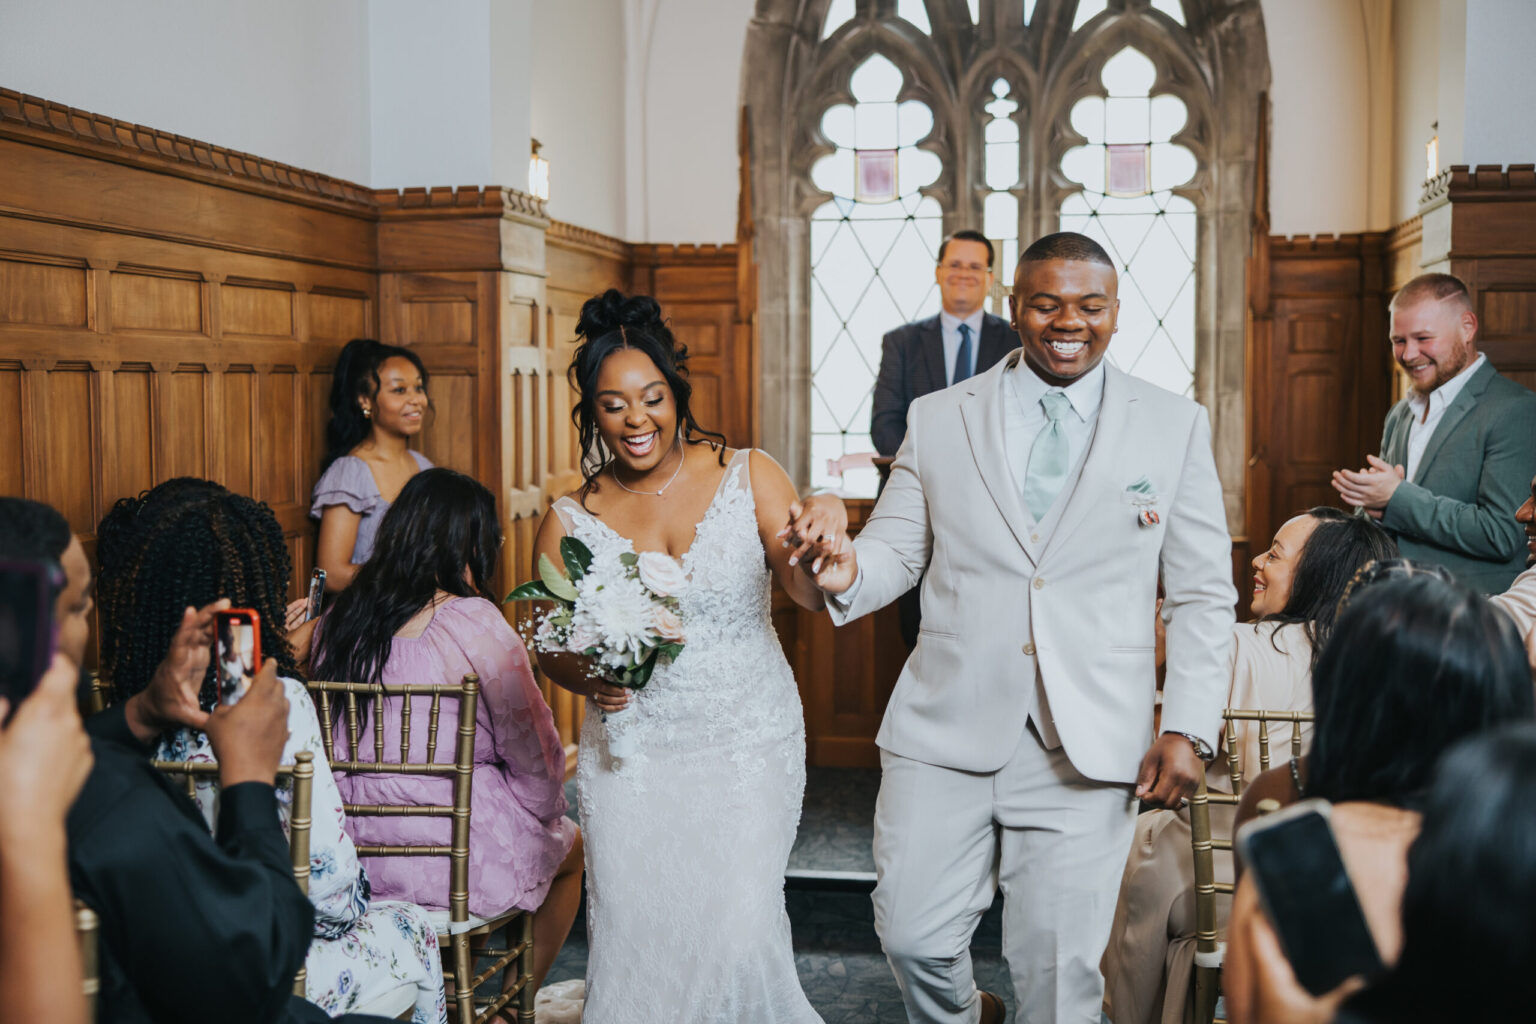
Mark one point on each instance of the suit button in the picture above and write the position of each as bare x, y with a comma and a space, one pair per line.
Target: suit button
1029, 649
1034, 538
1039, 582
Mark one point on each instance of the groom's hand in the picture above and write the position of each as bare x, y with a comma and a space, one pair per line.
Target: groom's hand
1170, 771
833, 565
814, 525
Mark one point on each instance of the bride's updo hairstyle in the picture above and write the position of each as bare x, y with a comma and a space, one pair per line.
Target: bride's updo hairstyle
610, 322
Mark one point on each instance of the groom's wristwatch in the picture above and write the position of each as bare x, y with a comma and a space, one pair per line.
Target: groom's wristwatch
1202, 749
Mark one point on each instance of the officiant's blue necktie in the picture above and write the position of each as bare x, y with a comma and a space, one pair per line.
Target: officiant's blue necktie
963, 356
1047, 457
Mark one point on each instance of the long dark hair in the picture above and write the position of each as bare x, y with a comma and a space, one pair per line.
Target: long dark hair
609, 322
1468, 944
186, 542
357, 376
1413, 666
442, 522
1340, 545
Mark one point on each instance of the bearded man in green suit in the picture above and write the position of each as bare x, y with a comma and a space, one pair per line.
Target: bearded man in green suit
1458, 452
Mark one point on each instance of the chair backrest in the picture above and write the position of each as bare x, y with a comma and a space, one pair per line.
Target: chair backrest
339, 702
1202, 842
302, 771
98, 694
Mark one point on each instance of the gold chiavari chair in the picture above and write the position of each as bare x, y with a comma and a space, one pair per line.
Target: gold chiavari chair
455, 926
1209, 952
98, 695
302, 771
86, 925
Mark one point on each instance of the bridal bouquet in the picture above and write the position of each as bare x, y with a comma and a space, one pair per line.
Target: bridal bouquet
621, 612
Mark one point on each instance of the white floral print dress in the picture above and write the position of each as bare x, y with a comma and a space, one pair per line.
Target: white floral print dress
361, 951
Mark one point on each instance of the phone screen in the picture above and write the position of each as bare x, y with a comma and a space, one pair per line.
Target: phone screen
236, 652
1308, 896
316, 594
27, 591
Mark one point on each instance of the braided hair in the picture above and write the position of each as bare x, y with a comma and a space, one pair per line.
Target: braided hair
186, 542
610, 322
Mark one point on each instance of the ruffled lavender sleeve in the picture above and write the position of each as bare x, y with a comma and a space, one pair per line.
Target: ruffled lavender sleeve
522, 725
347, 482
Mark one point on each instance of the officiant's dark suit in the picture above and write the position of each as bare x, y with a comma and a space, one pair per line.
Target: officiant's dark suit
932, 354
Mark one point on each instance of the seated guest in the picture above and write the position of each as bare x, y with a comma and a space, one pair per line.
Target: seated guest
1297, 584
378, 404
44, 760
192, 928
1414, 666
1467, 939
190, 542
422, 612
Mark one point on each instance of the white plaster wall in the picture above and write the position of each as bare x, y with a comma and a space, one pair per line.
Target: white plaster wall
1416, 38
577, 110
449, 93
1500, 83
283, 79
684, 96
1320, 120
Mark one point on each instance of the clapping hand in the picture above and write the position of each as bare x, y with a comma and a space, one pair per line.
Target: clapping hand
170, 700
1370, 488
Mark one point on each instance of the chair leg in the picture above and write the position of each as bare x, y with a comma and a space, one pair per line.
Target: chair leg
463, 970
524, 967
1207, 988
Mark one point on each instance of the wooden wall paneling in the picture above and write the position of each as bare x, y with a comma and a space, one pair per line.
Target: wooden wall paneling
1320, 371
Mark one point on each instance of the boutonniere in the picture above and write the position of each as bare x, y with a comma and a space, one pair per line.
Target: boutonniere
1144, 500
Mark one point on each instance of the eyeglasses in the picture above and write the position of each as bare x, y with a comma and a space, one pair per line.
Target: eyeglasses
975, 268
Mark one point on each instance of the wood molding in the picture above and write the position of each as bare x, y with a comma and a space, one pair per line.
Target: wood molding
464, 201
44, 123
595, 242
1487, 183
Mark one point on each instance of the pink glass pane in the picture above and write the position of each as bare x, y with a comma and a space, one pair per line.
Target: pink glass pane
875, 175
1127, 170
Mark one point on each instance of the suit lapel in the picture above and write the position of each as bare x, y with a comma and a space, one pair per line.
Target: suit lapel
997, 340
1454, 414
1395, 450
982, 413
1098, 465
931, 339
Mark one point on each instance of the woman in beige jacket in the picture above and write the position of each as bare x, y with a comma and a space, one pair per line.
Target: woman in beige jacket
1297, 584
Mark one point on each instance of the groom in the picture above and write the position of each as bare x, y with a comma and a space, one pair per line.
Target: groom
1044, 499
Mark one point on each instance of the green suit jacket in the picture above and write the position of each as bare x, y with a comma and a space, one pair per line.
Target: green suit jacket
1459, 509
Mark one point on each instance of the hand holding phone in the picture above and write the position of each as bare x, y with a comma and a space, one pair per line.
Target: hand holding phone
1307, 895
236, 651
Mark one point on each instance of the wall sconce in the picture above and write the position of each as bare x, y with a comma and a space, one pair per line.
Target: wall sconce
538, 173
1432, 154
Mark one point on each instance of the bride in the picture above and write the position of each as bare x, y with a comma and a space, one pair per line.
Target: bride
688, 837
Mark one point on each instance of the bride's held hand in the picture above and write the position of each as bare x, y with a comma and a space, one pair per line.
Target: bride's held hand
814, 524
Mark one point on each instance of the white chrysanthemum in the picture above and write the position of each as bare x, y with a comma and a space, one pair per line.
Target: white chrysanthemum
615, 608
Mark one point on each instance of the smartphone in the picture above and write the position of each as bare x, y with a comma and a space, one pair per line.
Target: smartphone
1308, 896
236, 651
316, 594
27, 630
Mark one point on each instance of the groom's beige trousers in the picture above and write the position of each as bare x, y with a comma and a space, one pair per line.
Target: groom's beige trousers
1056, 843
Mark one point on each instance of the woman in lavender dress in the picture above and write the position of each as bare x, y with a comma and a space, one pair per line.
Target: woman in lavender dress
378, 404
419, 612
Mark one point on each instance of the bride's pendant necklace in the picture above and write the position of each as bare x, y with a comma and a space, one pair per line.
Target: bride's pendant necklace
681, 456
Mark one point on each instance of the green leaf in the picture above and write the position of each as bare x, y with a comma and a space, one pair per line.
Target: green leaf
576, 556
555, 581
630, 559
670, 651
533, 590
561, 619
642, 672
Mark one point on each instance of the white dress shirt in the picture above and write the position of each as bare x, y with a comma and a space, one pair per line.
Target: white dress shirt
1024, 417
1429, 410
949, 332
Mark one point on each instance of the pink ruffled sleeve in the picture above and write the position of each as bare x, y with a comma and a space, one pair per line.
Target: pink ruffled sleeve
521, 723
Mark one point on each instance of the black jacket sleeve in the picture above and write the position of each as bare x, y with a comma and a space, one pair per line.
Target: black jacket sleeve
191, 929
888, 413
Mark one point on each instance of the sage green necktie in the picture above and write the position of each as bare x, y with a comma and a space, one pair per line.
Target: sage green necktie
1047, 457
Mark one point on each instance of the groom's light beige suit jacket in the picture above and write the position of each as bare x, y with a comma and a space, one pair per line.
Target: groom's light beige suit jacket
1075, 606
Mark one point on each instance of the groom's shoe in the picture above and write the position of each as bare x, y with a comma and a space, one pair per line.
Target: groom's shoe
992, 1009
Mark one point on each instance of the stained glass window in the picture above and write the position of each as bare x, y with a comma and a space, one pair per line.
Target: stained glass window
874, 245
914, 11
1000, 208
1173, 8
839, 12
1128, 170
1087, 10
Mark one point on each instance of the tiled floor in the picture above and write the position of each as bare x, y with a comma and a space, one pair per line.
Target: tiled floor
844, 973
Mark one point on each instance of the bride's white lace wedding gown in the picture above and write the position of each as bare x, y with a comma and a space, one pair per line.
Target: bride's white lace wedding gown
687, 839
